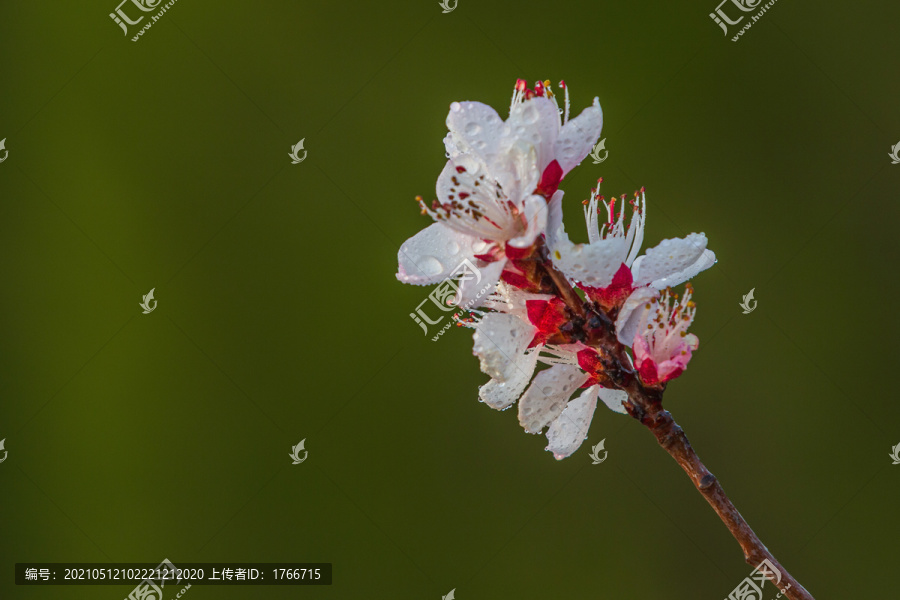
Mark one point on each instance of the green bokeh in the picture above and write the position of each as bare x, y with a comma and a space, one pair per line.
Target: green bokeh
163, 164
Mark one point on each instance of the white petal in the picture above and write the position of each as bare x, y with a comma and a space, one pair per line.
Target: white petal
475, 127
474, 292
517, 170
533, 124
546, 398
570, 429
630, 314
613, 399
705, 261
592, 264
475, 187
434, 253
554, 218
499, 340
578, 136
452, 146
535, 210
671, 257
501, 394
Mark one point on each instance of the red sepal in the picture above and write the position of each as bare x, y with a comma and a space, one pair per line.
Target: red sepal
547, 316
514, 253
515, 279
589, 361
550, 179
615, 294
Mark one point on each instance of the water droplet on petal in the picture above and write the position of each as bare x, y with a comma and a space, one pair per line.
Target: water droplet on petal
473, 129
430, 266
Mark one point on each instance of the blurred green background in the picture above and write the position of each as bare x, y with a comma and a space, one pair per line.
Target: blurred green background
164, 164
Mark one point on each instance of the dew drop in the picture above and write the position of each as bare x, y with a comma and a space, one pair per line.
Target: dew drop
430, 266
530, 114
473, 129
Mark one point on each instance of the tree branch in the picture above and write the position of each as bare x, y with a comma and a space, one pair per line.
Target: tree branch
648, 409
645, 405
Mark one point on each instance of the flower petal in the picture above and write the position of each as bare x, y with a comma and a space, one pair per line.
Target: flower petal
501, 394
434, 253
578, 136
592, 264
499, 341
471, 201
546, 398
705, 261
476, 128
671, 259
474, 292
613, 399
630, 314
554, 218
570, 429
535, 211
533, 124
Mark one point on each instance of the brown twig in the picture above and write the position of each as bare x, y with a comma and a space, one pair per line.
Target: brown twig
566, 292
647, 408
645, 405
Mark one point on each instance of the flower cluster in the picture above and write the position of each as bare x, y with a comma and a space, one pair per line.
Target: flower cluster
598, 314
